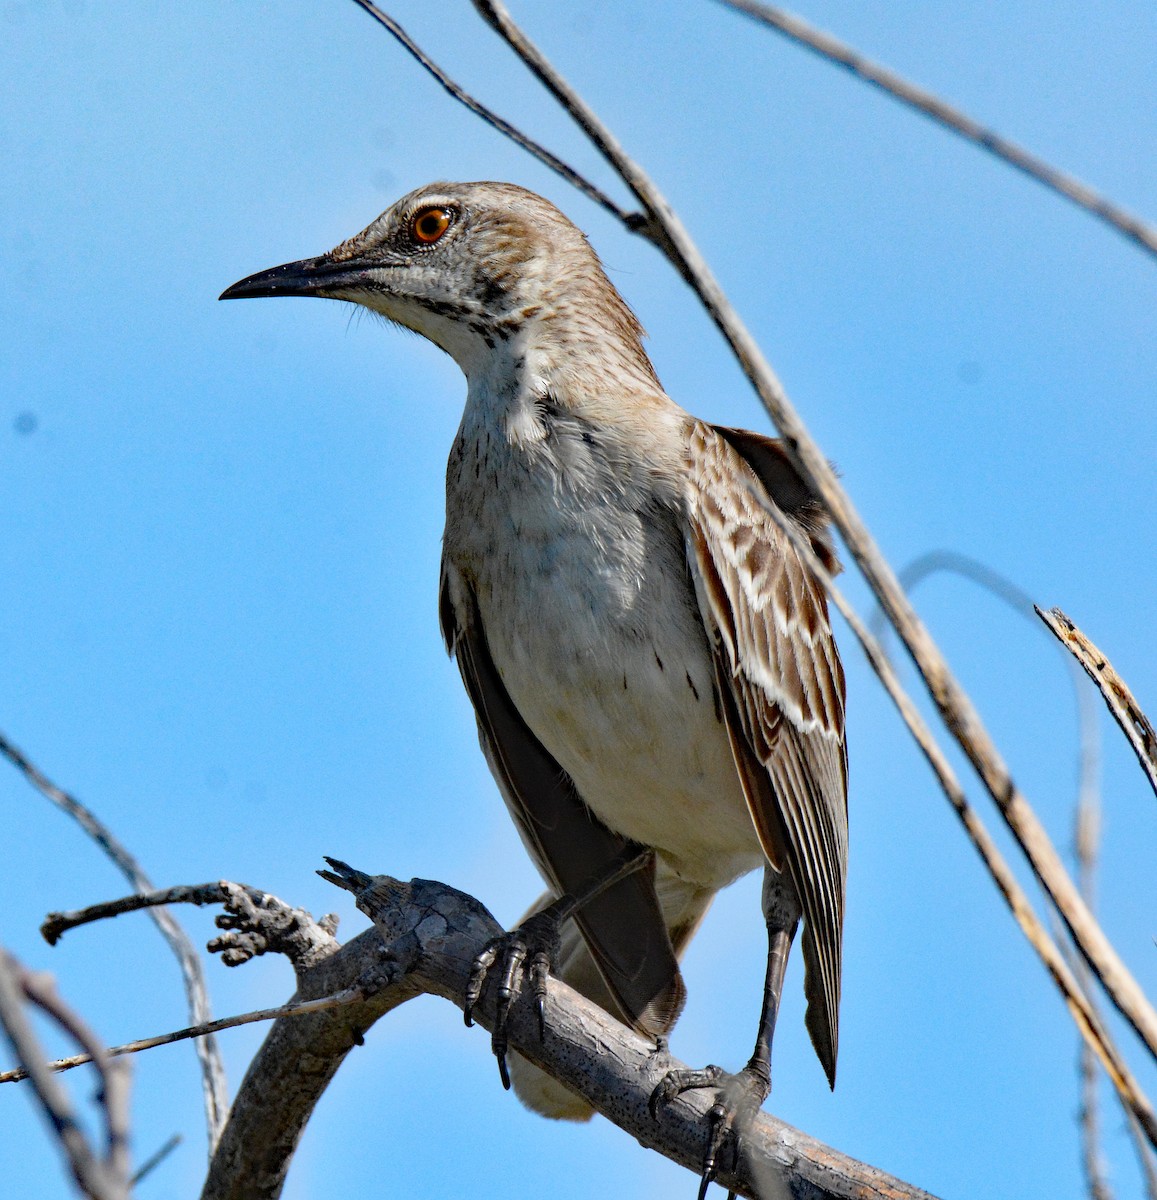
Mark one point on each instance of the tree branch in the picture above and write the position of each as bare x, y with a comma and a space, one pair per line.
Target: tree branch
99, 1177
1135, 725
425, 939
213, 1085
480, 110
952, 119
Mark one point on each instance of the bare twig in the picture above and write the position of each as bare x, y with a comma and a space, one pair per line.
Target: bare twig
1088, 820
99, 1177
956, 709
952, 119
1095, 1036
255, 922
56, 924
1126, 711
1145, 1157
348, 996
952, 562
196, 993
488, 115
154, 1160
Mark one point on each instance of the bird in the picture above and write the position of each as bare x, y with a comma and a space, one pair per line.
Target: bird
650, 658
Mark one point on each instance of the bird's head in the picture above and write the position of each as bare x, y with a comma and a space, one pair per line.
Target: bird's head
467, 265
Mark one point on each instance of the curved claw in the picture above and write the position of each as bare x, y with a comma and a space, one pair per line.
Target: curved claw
516, 954
718, 1124
738, 1099
527, 953
537, 974
478, 970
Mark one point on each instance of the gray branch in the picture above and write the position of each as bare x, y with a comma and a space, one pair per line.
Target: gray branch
214, 1090
100, 1177
425, 938
952, 119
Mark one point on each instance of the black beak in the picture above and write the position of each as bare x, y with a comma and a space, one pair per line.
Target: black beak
320, 276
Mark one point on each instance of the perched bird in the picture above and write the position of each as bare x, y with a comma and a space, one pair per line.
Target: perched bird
650, 661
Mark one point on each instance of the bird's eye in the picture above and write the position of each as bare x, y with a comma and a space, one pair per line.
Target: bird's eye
429, 224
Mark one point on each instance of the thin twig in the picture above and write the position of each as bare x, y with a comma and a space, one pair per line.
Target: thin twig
1086, 844
348, 996
952, 562
1088, 819
951, 119
1085, 655
154, 1160
196, 993
99, 1177
1086, 838
56, 924
956, 709
1135, 725
1085, 1015
488, 115
1145, 1156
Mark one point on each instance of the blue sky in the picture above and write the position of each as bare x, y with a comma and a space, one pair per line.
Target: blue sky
219, 528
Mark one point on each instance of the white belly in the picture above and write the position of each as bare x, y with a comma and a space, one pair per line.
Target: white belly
642, 742
592, 623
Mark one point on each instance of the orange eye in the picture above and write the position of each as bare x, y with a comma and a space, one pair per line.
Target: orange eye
429, 224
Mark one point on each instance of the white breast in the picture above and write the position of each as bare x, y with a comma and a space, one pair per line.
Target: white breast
591, 619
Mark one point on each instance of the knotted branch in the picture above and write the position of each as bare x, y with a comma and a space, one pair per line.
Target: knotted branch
425, 939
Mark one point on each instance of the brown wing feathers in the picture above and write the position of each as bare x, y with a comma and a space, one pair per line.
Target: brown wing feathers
783, 684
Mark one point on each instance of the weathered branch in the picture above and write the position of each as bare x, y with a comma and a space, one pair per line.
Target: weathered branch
101, 1177
952, 119
425, 938
213, 1087
1135, 725
257, 923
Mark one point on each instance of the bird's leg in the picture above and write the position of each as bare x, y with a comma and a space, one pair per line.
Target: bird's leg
740, 1096
530, 951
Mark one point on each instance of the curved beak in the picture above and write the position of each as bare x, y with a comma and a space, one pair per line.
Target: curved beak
321, 276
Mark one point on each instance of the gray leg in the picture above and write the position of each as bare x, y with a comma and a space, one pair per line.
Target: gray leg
531, 951
740, 1096
781, 911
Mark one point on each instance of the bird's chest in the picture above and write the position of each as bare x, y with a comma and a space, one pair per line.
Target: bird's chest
590, 616
575, 564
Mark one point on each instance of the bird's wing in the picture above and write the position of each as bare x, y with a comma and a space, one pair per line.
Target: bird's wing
624, 925
782, 684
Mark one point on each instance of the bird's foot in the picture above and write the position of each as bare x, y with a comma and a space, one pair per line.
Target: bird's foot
527, 955
738, 1098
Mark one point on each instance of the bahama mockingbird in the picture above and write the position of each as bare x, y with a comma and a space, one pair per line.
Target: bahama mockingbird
657, 689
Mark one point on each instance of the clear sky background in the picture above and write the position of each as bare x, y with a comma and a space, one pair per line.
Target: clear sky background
219, 529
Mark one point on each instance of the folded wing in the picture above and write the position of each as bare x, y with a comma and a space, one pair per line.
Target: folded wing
782, 681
